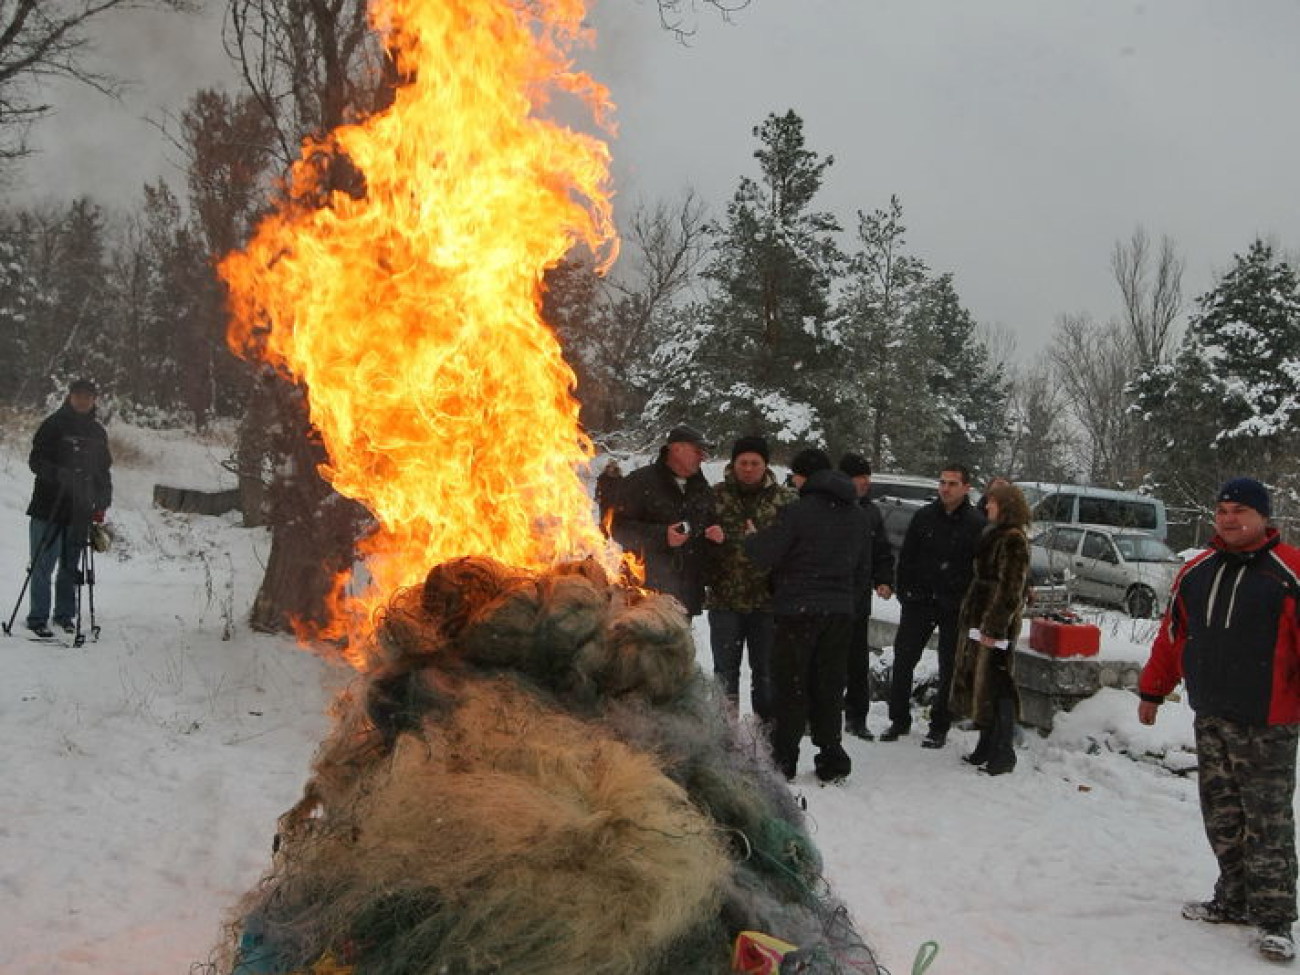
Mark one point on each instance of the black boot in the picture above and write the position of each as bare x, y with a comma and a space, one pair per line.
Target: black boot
982, 748
856, 725
832, 763
1002, 753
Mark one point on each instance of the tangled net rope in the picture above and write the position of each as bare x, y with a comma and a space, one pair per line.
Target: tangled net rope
536, 778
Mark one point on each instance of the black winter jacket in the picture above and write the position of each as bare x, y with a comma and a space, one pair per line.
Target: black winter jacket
71, 462
1232, 632
880, 555
647, 502
935, 563
817, 549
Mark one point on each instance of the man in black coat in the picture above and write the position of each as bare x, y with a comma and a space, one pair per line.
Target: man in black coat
880, 555
817, 554
71, 461
665, 513
934, 569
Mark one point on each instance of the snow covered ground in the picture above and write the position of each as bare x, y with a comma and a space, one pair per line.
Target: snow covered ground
143, 775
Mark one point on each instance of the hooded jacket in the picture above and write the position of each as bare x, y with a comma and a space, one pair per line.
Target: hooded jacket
71, 462
817, 549
1231, 632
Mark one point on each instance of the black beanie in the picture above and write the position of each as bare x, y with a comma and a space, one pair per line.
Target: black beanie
751, 445
855, 465
809, 462
1247, 491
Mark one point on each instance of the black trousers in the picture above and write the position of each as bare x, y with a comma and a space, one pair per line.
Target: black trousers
809, 661
857, 692
915, 627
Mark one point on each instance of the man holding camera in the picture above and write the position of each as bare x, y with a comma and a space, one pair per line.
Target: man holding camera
71, 461
665, 513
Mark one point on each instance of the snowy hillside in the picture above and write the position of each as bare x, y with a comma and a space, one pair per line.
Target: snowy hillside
143, 775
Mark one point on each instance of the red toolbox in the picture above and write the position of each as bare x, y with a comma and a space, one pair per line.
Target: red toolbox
1064, 639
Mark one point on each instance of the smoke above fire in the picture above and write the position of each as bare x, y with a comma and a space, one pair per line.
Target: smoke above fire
407, 302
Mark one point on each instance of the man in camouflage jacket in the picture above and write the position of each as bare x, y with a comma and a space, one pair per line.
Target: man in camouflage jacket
739, 597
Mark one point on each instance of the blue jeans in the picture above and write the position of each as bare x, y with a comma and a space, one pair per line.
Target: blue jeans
53, 544
729, 632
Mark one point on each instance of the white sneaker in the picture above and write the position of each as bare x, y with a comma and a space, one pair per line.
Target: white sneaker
1276, 943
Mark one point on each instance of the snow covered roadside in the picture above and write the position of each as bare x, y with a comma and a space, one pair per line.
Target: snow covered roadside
144, 773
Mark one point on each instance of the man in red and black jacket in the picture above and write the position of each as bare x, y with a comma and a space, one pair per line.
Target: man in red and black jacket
1232, 633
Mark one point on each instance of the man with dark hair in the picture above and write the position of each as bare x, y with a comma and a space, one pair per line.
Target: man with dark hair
817, 554
880, 555
934, 568
739, 594
1231, 634
665, 513
71, 461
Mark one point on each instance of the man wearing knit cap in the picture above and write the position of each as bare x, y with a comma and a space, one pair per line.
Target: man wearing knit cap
665, 513
1232, 635
739, 597
817, 553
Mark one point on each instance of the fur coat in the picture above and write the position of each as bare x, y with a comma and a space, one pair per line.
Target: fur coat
993, 606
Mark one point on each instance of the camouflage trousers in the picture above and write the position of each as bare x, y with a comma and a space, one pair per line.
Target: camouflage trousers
1246, 780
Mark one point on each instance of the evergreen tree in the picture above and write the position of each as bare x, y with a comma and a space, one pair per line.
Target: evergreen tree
919, 387
967, 390
21, 303
63, 254
1229, 403
752, 357
877, 408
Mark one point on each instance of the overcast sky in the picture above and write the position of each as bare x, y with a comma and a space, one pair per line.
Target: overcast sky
1023, 137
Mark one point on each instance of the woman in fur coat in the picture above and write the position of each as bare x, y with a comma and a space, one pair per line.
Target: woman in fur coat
983, 686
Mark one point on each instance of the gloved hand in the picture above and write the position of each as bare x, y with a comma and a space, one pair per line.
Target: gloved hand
98, 516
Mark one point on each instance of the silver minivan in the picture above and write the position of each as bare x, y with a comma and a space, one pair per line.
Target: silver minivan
1115, 566
1055, 503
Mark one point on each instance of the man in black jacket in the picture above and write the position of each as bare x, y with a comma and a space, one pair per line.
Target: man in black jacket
73, 487
934, 569
817, 554
665, 513
880, 554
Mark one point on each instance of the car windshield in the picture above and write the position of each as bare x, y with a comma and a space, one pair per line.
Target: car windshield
1144, 548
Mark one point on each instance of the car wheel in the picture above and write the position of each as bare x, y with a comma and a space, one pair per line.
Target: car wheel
1140, 603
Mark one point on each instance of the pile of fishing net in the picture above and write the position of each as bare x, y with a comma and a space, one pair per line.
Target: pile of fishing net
536, 778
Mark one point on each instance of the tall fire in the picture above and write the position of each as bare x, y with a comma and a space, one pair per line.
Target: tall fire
531, 775
410, 309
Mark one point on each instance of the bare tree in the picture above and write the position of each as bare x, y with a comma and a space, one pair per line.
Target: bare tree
674, 14
1151, 286
1093, 365
610, 325
310, 64
49, 39
1037, 438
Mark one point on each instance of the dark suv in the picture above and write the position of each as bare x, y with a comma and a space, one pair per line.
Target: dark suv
899, 496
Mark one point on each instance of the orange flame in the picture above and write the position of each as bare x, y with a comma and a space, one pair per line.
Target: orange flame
411, 313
